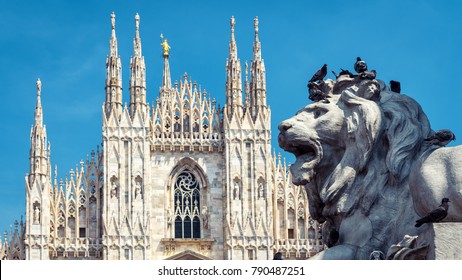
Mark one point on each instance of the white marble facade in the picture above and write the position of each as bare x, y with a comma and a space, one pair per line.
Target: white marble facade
183, 179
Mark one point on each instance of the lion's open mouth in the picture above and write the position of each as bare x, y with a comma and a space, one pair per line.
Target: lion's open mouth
307, 153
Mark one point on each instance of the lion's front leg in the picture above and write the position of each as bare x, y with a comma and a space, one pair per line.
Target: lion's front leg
355, 232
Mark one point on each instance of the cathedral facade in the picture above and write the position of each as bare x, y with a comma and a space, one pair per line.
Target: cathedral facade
181, 179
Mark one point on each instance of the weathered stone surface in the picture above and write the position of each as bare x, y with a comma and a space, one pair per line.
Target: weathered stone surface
367, 170
437, 173
445, 241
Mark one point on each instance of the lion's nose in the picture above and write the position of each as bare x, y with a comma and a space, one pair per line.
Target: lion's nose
284, 126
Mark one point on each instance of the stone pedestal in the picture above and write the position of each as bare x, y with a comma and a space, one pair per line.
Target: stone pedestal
445, 241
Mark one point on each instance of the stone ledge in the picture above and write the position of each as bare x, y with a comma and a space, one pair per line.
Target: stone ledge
445, 241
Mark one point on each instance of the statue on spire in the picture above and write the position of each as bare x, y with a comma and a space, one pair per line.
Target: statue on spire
255, 24
165, 46
232, 22
39, 86
137, 21
113, 20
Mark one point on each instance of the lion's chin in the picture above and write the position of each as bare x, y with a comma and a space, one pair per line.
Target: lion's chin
303, 168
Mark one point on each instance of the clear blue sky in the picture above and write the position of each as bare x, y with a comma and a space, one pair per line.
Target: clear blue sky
65, 43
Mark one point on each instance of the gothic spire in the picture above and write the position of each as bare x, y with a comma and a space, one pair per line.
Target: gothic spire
138, 75
233, 77
113, 75
258, 76
39, 149
38, 186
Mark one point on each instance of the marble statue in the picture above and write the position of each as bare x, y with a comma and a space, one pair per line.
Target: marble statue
236, 191
366, 168
137, 189
113, 189
36, 215
39, 86
260, 191
205, 217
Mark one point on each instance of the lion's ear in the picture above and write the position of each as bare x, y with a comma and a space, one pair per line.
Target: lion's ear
363, 121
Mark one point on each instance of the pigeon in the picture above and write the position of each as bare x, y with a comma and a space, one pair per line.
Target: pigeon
441, 137
278, 256
319, 75
360, 65
395, 86
346, 72
436, 215
333, 238
369, 75
335, 74
316, 94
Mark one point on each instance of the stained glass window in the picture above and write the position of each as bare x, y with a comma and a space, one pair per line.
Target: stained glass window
187, 205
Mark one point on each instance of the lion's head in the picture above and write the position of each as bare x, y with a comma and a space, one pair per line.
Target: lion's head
354, 152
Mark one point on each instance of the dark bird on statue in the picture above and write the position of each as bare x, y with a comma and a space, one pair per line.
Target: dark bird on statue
369, 75
335, 74
333, 238
395, 86
316, 93
436, 215
319, 75
346, 72
441, 137
360, 65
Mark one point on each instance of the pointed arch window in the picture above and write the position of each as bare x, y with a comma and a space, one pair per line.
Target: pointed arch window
187, 205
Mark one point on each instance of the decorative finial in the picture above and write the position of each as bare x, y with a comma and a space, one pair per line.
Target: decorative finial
255, 24
113, 20
39, 86
164, 45
137, 21
232, 22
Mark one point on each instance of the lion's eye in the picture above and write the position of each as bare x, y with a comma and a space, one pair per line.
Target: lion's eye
318, 113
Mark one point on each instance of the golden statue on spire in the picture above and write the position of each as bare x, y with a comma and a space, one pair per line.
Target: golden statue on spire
165, 45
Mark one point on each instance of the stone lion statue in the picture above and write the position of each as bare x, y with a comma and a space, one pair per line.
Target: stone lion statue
367, 170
